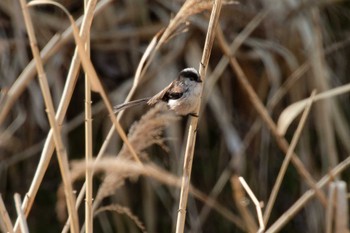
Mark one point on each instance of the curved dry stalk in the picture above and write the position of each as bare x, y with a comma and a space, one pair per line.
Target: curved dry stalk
60, 149
239, 198
256, 203
192, 131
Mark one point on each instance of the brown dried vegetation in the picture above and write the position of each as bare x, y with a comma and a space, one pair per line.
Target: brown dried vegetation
271, 62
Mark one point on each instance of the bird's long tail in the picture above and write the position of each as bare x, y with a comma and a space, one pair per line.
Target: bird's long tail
130, 104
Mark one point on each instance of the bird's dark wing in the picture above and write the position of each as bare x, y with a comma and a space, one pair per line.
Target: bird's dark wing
172, 91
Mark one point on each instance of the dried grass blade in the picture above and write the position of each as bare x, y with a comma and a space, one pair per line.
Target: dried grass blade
293, 110
191, 137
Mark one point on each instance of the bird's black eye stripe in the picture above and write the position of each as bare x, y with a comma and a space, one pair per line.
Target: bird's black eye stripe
189, 74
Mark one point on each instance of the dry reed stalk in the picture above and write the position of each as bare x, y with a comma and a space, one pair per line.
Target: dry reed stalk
262, 111
239, 198
307, 196
63, 105
88, 135
5, 218
287, 159
22, 218
61, 152
192, 131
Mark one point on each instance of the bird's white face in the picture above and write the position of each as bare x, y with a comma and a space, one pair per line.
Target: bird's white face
189, 101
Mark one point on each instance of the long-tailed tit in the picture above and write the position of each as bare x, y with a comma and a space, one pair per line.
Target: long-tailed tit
182, 95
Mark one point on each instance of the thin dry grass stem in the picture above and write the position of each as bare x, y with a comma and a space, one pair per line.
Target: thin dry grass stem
61, 152
293, 110
262, 111
88, 138
63, 105
22, 218
307, 196
256, 203
192, 131
287, 159
240, 200
5, 218
123, 210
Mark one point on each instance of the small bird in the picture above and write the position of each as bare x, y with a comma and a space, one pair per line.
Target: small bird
181, 95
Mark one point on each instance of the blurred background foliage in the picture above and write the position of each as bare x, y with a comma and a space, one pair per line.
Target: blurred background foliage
293, 33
